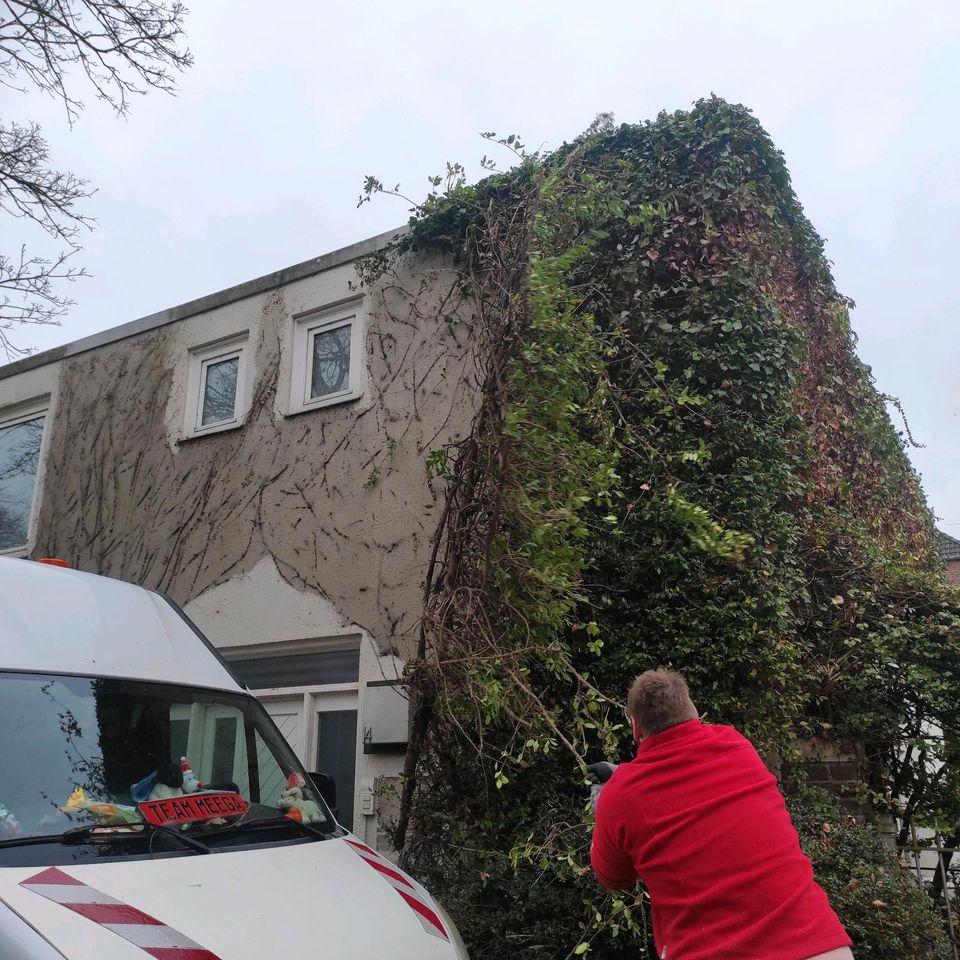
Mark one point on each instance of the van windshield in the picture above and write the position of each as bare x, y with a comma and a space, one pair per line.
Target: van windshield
79, 751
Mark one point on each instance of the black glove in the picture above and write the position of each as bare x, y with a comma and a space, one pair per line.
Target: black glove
600, 772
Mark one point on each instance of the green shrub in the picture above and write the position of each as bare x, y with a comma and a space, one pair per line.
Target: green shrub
886, 913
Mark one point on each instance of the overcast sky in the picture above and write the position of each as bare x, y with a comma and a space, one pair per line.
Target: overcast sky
258, 162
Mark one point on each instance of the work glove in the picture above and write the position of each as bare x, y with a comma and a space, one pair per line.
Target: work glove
598, 774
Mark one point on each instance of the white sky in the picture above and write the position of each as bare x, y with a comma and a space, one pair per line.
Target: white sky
258, 163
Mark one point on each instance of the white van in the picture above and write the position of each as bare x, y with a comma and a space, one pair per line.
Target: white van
150, 808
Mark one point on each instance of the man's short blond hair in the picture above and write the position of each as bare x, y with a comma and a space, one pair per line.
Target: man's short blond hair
658, 700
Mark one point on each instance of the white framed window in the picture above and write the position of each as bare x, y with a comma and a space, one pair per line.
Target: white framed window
21, 442
216, 380
327, 365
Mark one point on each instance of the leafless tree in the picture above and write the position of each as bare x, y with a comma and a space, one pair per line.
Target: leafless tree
124, 48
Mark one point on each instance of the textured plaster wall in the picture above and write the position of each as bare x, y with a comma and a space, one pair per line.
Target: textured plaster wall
259, 607
337, 497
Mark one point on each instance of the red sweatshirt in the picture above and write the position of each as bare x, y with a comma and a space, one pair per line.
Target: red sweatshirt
699, 818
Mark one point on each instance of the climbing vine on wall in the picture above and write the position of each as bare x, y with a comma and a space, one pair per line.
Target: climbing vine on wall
677, 458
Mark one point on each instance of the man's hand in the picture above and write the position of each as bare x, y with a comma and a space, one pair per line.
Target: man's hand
600, 772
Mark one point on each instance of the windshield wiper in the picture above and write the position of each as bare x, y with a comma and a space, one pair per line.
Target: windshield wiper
96, 831
241, 825
79, 834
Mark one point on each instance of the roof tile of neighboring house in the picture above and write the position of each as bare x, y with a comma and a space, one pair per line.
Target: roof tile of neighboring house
949, 546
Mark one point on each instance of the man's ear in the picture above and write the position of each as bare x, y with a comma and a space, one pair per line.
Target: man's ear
638, 734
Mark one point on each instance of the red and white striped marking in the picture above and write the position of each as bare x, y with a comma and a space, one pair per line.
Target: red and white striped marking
424, 912
151, 935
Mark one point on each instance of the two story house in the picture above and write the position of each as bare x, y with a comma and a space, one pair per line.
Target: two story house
260, 454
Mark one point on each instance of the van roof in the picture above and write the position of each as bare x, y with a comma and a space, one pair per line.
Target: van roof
54, 620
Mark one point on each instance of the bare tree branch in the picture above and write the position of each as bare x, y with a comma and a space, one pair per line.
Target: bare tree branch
28, 294
30, 188
124, 47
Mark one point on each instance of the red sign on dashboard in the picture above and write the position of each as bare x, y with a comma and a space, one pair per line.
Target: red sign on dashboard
196, 806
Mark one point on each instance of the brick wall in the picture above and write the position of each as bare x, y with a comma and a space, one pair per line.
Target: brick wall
834, 766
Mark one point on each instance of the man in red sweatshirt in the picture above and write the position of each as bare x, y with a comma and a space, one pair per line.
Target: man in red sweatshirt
699, 818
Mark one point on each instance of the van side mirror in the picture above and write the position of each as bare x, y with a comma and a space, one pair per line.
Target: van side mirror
326, 786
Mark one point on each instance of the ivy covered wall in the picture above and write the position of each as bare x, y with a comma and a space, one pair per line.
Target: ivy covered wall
677, 459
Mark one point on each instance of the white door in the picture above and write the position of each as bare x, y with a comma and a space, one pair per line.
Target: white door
287, 714
321, 728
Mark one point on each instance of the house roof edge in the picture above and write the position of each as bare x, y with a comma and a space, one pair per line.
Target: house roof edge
210, 301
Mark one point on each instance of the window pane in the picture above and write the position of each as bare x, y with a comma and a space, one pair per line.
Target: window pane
179, 737
337, 756
116, 738
220, 391
330, 371
19, 458
224, 749
273, 781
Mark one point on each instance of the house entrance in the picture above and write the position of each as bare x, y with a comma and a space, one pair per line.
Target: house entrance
321, 727
311, 690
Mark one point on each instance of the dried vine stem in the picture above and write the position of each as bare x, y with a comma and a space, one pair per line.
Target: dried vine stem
477, 645
452, 629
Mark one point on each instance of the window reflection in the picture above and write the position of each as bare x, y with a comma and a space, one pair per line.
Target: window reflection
220, 391
19, 459
330, 371
74, 746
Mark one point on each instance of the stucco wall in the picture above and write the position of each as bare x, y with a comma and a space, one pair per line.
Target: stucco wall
337, 497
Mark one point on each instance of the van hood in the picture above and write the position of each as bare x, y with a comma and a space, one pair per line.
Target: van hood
334, 898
